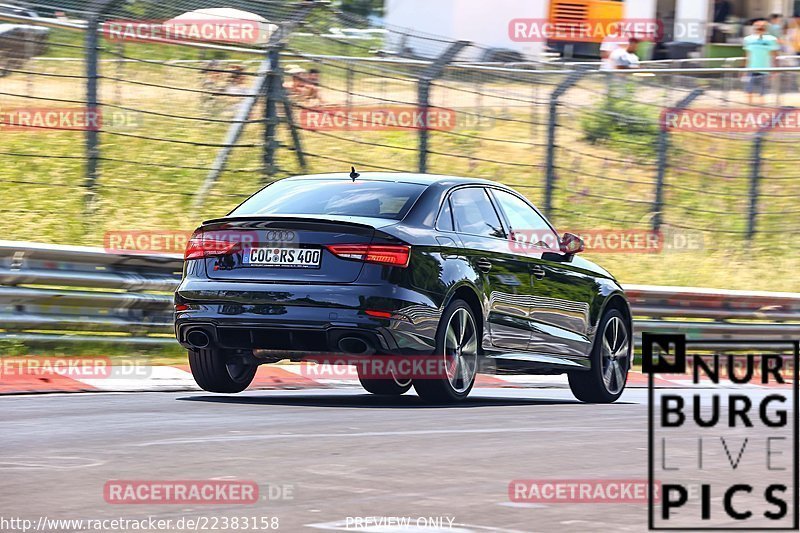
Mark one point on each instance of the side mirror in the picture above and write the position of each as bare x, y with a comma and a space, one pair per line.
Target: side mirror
572, 244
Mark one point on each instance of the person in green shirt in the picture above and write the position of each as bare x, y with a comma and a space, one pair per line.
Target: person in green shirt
761, 50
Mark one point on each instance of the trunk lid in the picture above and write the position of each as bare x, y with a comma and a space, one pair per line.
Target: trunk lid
289, 249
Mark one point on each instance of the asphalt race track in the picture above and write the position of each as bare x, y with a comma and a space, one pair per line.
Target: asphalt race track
329, 454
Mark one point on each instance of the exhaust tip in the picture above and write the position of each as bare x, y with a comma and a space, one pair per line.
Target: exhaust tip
197, 338
355, 346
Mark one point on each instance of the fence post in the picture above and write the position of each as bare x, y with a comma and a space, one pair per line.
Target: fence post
663, 153
293, 128
91, 42
755, 170
550, 177
92, 151
755, 178
273, 93
271, 96
433, 71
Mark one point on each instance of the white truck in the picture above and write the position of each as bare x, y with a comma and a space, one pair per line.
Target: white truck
483, 22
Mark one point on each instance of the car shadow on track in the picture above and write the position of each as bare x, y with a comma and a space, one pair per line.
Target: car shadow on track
368, 401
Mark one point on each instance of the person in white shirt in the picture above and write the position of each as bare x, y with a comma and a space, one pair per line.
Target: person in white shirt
611, 42
625, 58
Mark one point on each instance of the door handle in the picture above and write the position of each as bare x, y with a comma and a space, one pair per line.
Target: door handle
538, 272
484, 265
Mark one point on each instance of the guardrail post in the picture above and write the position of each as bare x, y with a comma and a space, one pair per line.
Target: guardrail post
552, 124
433, 71
663, 158
755, 171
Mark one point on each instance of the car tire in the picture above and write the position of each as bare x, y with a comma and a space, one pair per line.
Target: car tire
217, 370
385, 387
458, 343
611, 359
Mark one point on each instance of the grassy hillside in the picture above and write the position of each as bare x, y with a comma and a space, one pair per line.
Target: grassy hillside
158, 143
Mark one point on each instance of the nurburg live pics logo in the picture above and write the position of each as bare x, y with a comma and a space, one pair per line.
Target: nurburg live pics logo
724, 451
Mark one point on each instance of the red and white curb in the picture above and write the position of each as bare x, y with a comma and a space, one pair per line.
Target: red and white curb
268, 377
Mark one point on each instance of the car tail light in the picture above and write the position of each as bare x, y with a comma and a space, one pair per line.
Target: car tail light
382, 254
203, 245
378, 314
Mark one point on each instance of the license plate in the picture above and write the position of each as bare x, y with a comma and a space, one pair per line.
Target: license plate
283, 257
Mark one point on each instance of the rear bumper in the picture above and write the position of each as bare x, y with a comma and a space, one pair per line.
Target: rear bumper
306, 318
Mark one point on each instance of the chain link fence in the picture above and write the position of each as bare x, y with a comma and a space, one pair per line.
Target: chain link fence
190, 127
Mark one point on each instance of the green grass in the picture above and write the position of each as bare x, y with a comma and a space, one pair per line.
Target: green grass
133, 355
70, 43
600, 185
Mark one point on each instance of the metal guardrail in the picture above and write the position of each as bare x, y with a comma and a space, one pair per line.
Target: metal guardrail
51, 293
71, 293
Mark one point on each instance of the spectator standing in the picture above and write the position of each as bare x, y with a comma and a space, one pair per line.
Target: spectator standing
761, 50
624, 58
611, 42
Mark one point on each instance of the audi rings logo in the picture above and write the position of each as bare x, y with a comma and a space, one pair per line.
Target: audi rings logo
280, 235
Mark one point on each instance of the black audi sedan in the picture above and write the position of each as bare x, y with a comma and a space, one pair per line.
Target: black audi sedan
462, 271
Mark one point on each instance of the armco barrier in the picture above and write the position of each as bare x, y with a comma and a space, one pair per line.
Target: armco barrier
71, 293
51, 293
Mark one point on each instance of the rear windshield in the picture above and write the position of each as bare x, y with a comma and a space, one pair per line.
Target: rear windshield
380, 199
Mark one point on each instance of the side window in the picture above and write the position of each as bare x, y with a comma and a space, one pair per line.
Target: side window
526, 224
445, 222
474, 213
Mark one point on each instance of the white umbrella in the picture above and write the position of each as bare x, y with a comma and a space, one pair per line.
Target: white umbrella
221, 24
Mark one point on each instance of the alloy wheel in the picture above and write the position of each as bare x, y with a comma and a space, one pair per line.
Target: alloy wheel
461, 350
615, 355
239, 369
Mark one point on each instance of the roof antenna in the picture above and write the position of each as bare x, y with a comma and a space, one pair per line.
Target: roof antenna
353, 173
